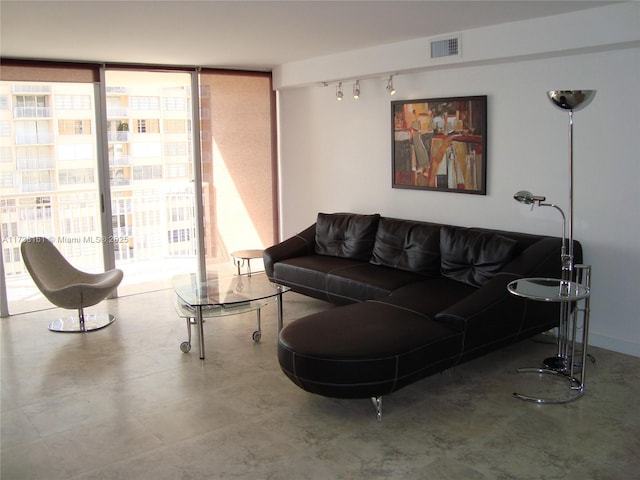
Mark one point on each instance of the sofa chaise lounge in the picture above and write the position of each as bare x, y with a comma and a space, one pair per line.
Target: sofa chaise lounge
414, 298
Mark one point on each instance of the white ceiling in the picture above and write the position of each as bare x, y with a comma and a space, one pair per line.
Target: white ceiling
256, 35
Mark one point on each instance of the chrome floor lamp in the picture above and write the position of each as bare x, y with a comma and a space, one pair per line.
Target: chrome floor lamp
568, 290
570, 101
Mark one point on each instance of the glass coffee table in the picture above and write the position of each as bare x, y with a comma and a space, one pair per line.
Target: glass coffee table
221, 294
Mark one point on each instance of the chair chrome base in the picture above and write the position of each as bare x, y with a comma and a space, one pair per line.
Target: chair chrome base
74, 324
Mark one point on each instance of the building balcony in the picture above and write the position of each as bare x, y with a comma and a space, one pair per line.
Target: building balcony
43, 138
117, 90
119, 182
122, 231
118, 136
32, 112
37, 187
119, 161
117, 112
35, 163
30, 88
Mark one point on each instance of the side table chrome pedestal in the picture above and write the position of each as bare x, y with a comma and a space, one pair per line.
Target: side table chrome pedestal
575, 298
242, 256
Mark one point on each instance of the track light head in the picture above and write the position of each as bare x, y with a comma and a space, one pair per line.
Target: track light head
356, 90
339, 93
390, 89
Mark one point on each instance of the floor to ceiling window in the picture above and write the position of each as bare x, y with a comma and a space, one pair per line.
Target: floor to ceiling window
151, 165
51, 159
49, 182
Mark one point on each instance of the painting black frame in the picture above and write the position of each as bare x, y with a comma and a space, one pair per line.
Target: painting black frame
426, 132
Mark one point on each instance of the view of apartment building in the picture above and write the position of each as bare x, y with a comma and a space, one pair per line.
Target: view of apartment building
50, 171
107, 169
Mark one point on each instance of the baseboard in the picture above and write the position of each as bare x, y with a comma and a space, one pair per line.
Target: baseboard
615, 344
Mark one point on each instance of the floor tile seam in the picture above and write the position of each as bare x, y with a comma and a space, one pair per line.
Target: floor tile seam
42, 443
91, 421
128, 458
247, 423
40, 438
142, 428
49, 398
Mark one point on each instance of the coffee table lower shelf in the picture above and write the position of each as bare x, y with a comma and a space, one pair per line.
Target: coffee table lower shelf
190, 314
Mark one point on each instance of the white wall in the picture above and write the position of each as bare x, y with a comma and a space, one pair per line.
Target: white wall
336, 156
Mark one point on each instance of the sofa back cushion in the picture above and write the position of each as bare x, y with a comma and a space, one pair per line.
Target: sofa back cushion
408, 245
346, 235
472, 256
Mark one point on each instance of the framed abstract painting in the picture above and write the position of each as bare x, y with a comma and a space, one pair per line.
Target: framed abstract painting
440, 144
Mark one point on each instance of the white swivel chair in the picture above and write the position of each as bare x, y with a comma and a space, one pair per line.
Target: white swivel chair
67, 287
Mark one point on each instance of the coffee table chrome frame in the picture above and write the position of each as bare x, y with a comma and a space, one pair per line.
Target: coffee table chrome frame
200, 315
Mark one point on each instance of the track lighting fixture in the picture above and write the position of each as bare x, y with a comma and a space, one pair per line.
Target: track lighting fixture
390, 89
355, 82
356, 90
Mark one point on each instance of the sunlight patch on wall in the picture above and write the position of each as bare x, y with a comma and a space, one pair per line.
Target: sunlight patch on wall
235, 227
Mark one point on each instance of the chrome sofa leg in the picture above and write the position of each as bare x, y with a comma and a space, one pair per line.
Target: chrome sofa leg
377, 406
83, 328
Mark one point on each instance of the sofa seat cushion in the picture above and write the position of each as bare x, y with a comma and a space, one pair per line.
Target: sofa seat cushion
408, 245
364, 350
365, 281
473, 256
431, 296
340, 280
308, 274
346, 235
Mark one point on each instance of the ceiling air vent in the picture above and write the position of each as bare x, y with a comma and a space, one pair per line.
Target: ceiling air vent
448, 47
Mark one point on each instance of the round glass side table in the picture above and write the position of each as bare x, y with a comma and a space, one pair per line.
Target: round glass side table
575, 297
242, 256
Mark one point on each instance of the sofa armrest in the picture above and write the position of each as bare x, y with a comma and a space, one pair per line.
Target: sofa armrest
491, 315
491, 318
492, 301
304, 243
542, 259
488, 303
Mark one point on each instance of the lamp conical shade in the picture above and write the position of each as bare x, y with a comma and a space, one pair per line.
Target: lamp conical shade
573, 100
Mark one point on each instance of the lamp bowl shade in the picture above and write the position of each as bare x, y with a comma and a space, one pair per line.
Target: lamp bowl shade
573, 100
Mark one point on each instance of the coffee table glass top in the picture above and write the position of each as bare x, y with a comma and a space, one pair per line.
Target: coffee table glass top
222, 289
548, 289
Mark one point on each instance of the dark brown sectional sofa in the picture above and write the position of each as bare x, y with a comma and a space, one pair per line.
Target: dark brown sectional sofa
415, 298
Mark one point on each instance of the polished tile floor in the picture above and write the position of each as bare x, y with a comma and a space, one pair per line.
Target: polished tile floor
126, 403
